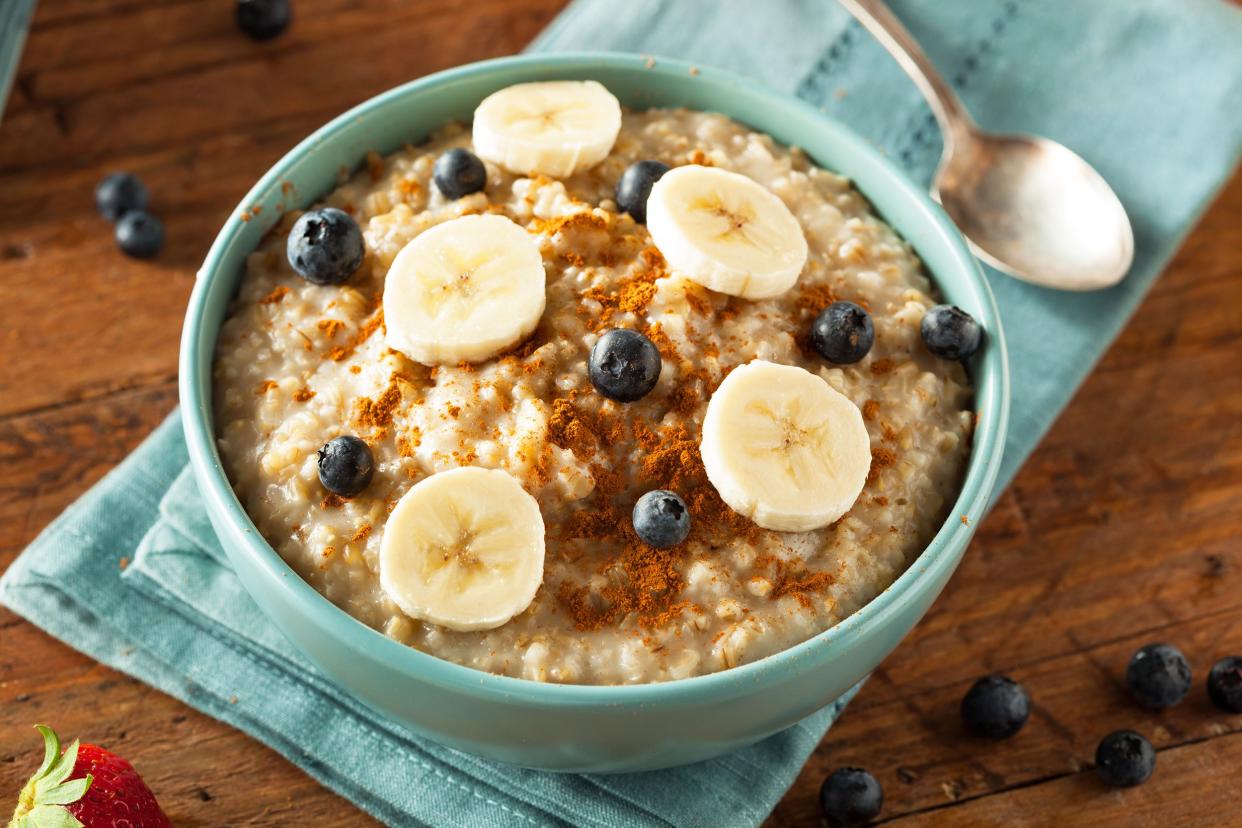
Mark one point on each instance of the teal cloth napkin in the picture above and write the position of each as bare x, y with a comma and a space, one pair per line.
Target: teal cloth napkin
1146, 90
14, 21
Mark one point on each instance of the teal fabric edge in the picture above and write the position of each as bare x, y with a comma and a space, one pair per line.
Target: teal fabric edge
15, 18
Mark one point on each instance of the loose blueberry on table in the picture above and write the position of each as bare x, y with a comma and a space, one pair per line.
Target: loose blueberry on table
634, 186
459, 172
996, 707
345, 465
624, 365
1124, 759
1158, 676
139, 234
950, 332
263, 19
1225, 684
851, 796
843, 333
118, 194
661, 519
325, 246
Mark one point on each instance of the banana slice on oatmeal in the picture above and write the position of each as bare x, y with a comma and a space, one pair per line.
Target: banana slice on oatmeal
554, 128
726, 232
783, 448
463, 549
466, 289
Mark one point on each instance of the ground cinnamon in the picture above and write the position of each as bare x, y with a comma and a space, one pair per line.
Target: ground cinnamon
278, 294
374, 323
378, 413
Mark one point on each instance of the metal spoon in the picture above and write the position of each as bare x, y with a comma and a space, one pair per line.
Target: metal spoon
1029, 206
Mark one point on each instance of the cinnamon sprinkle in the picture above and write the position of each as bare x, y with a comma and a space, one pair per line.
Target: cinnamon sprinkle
801, 585
882, 366
881, 458
373, 324
278, 293
330, 327
571, 430
377, 413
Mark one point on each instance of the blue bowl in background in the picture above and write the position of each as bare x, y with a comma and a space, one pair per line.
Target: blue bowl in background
575, 727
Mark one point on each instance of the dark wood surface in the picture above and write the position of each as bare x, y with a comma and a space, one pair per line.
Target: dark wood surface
1125, 526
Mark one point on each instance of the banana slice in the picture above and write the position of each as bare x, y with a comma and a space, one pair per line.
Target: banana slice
783, 448
463, 549
726, 232
555, 127
464, 290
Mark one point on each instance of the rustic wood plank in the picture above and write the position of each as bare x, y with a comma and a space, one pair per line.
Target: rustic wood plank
173, 92
1194, 785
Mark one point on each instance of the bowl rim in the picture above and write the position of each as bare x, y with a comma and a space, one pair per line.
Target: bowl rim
194, 380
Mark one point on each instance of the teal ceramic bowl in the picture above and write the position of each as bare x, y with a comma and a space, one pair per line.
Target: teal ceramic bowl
569, 727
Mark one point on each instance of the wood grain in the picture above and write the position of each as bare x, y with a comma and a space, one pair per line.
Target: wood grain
1123, 528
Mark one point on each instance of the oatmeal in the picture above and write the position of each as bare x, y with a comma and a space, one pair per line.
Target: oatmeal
299, 364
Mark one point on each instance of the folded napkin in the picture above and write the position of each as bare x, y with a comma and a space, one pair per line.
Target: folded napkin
14, 20
1145, 90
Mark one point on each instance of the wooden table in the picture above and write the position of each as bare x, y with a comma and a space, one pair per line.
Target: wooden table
1125, 526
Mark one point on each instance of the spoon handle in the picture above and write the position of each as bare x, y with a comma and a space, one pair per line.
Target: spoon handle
878, 19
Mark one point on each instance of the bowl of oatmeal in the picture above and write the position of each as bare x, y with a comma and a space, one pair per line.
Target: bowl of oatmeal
573, 478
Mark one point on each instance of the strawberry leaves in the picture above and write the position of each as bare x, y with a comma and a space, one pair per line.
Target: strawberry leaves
42, 800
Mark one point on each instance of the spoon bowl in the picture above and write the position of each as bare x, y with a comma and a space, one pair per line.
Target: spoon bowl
1028, 206
1032, 208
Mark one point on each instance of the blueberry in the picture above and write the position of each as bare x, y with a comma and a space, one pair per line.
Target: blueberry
1225, 684
624, 365
996, 706
1158, 676
119, 193
139, 234
1124, 759
950, 332
263, 19
459, 172
325, 246
661, 518
851, 796
345, 465
842, 333
635, 185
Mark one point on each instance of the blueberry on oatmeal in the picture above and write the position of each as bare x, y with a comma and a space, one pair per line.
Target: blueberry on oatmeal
345, 465
624, 365
661, 518
459, 172
325, 246
842, 333
635, 185
950, 332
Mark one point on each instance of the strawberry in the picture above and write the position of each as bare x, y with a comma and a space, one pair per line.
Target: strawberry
85, 787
